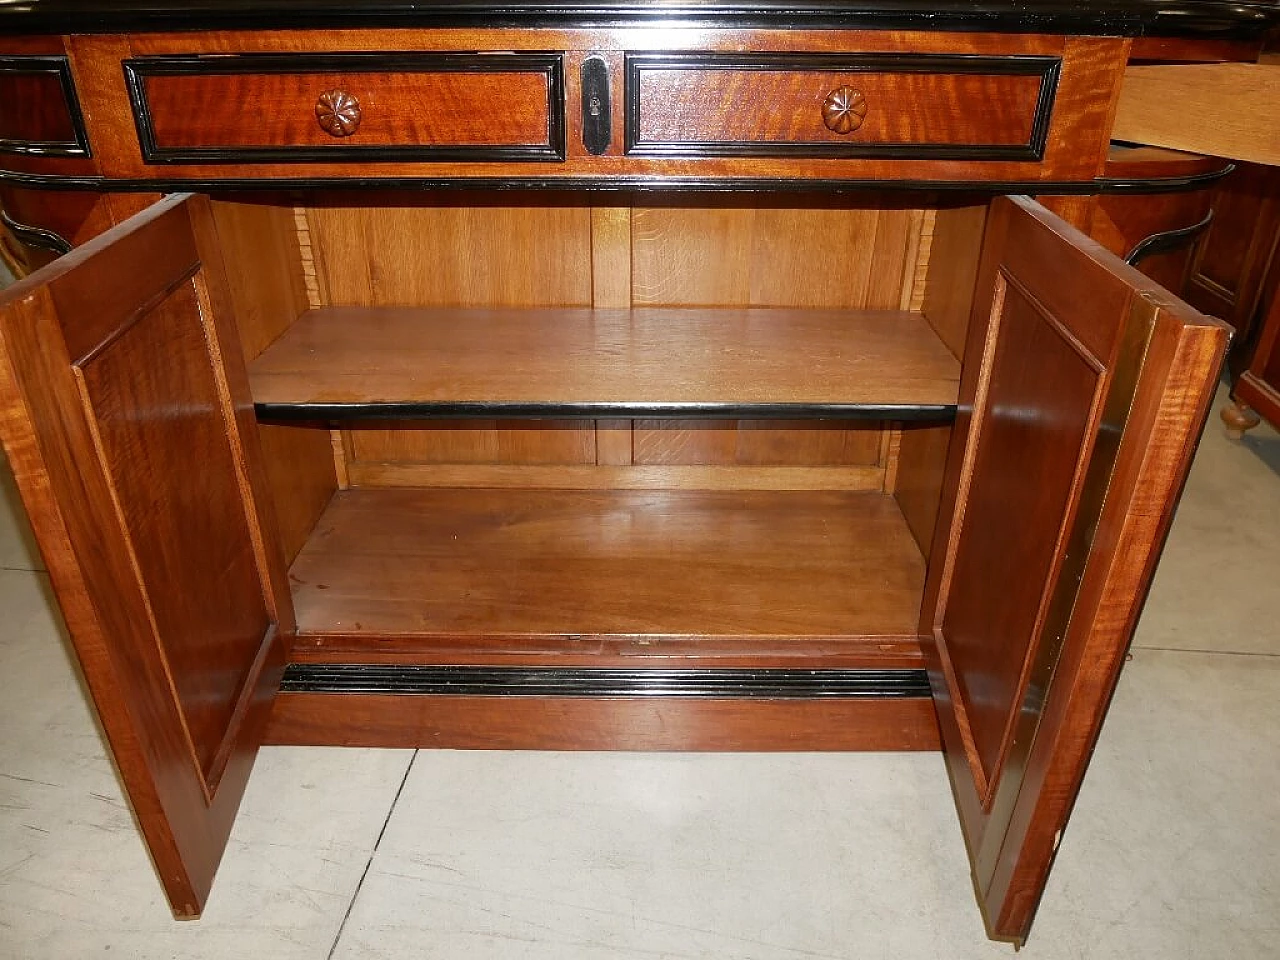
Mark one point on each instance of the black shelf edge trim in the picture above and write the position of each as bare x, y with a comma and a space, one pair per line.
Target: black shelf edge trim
554, 410
1173, 18
617, 184
717, 684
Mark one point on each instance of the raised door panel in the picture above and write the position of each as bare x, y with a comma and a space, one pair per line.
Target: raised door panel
1085, 387
125, 413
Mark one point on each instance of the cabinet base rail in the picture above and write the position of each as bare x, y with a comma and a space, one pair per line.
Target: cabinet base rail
594, 682
530, 708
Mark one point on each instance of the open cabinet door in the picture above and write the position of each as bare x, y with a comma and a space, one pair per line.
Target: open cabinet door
125, 413
1084, 391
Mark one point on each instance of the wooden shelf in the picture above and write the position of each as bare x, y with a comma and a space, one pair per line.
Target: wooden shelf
575, 564
408, 362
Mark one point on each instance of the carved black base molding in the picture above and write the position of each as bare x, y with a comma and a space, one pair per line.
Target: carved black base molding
364, 678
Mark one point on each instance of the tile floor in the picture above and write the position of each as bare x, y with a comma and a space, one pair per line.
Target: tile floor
1174, 851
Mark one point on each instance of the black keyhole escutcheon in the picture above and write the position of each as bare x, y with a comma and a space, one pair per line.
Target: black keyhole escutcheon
597, 125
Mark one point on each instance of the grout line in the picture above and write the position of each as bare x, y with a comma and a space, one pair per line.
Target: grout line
1224, 653
369, 863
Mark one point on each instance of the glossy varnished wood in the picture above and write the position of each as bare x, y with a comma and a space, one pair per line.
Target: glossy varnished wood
638, 357
167, 578
522, 563
758, 105
1074, 144
194, 108
1067, 358
494, 723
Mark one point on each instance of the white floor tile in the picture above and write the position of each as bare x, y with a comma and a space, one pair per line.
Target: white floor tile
1215, 588
75, 879
17, 546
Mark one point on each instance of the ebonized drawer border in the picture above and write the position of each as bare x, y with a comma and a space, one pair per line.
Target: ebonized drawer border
549, 64
1048, 68
61, 67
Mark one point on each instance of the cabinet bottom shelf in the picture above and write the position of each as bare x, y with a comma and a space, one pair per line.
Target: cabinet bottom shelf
620, 620
476, 574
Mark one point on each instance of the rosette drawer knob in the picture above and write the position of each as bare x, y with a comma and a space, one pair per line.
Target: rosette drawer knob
844, 109
338, 113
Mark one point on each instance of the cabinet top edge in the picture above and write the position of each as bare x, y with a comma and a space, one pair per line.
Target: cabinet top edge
1220, 19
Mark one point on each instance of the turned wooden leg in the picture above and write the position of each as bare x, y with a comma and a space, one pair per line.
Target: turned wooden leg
1238, 418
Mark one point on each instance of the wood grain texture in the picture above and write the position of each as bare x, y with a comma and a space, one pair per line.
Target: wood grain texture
1239, 104
922, 459
258, 243
790, 251
474, 441
1258, 389
159, 571
780, 106
504, 250
628, 476
955, 246
518, 563
488, 723
994, 774
757, 442
36, 108
1075, 148
397, 109
1168, 415
644, 355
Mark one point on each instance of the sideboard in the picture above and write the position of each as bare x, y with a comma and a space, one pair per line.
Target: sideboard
692, 376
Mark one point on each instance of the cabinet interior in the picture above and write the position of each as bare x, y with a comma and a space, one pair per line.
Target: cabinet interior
780, 376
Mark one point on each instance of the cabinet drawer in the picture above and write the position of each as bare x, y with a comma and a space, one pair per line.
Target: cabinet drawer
907, 106
41, 114
349, 106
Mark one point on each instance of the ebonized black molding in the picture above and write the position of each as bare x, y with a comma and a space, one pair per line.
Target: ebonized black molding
1046, 68
549, 65
616, 184
60, 67
35, 236
361, 678
295, 412
1130, 18
1167, 240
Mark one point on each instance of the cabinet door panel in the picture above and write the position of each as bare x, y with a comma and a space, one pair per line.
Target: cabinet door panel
1085, 388
129, 429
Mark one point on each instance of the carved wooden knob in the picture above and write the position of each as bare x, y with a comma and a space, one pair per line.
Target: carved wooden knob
844, 109
338, 113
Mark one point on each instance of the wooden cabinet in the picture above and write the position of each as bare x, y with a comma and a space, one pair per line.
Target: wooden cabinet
627, 464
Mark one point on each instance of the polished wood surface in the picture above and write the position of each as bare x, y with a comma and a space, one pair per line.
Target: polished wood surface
1256, 394
265, 280
641, 356
777, 105
1075, 141
1235, 265
1021, 693
1222, 109
487, 723
518, 563
36, 113
164, 575
395, 109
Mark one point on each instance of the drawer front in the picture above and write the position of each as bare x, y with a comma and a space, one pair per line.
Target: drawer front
41, 115
904, 106
352, 106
